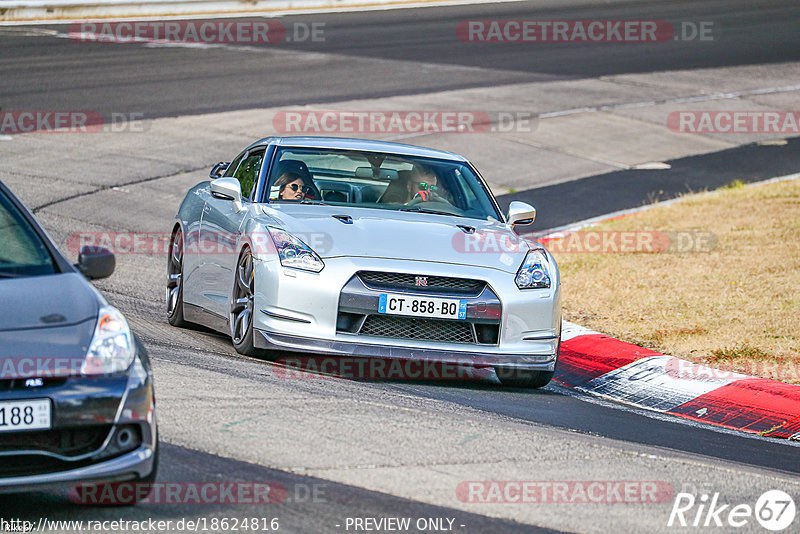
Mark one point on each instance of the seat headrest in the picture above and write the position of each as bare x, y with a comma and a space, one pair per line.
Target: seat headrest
294, 165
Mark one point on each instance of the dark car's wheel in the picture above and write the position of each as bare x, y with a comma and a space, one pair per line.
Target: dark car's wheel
175, 280
517, 378
241, 318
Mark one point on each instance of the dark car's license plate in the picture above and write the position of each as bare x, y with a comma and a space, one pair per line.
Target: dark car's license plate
28, 414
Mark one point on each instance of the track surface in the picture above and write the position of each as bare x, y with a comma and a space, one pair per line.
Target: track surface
379, 53
202, 382
312, 504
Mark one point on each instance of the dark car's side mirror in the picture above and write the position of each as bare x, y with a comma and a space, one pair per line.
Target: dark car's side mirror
218, 169
96, 262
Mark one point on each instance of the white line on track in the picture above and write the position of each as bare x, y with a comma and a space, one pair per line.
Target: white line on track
643, 104
679, 100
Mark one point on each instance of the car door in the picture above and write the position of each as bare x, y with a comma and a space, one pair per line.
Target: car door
219, 230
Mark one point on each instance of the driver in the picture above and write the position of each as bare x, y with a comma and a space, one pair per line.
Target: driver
419, 183
423, 185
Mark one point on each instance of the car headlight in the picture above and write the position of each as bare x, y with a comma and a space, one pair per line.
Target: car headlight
112, 348
294, 253
534, 272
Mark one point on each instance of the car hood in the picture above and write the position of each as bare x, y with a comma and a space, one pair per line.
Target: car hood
378, 233
47, 316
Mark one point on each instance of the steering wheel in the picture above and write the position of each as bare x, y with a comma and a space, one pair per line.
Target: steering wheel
432, 197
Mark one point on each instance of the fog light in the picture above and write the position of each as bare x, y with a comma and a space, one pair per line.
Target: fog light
124, 439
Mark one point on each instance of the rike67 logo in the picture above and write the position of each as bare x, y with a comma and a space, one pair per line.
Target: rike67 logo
774, 510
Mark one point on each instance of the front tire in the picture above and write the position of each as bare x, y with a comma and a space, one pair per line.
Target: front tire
242, 306
517, 378
175, 280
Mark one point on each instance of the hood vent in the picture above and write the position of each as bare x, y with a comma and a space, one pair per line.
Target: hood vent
344, 218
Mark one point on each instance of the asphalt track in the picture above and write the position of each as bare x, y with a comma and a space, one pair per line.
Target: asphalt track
577, 200
311, 505
422, 46
52, 73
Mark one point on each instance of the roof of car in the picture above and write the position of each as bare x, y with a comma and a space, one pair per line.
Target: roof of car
360, 144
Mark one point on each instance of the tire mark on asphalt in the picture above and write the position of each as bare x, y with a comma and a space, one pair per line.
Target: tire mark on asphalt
37, 209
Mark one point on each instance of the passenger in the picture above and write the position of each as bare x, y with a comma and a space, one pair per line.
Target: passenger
300, 170
292, 186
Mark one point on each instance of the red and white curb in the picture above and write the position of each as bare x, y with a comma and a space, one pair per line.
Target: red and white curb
600, 365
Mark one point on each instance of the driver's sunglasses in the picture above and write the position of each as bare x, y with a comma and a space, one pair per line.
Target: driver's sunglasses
424, 186
295, 187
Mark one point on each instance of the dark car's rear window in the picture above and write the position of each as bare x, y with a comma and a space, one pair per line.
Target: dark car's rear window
22, 251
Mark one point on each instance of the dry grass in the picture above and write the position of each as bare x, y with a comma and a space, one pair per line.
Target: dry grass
736, 307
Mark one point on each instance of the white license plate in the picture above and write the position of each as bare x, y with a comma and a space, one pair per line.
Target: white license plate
394, 304
31, 414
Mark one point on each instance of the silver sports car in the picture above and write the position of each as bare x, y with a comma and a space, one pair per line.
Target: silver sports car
346, 247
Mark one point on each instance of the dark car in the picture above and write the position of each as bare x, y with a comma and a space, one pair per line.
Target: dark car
76, 387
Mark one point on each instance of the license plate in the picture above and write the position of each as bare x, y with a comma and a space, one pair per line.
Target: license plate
437, 308
32, 414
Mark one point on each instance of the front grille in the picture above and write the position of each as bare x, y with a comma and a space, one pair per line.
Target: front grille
408, 282
66, 442
412, 328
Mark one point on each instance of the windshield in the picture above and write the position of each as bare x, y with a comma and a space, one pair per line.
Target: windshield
22, 252
380, 181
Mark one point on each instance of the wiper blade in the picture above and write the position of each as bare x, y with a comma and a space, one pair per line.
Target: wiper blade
417, 209
317, 202
11, 275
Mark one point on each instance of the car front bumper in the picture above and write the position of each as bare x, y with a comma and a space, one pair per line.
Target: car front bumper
300, 311
129, 466
100, 407
276, 341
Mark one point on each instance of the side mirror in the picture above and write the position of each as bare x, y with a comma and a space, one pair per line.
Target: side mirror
228, 189
218, 169
96, 262
520, 213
